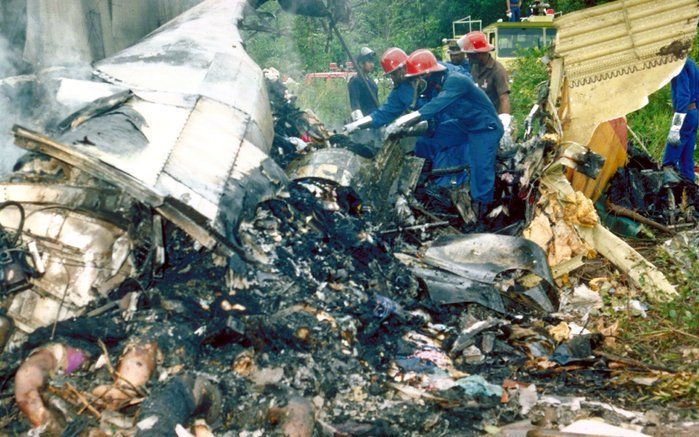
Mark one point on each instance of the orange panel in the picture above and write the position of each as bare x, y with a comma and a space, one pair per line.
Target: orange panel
610, 141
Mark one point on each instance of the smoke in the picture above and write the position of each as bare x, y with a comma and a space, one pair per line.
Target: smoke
33, 59
11, 107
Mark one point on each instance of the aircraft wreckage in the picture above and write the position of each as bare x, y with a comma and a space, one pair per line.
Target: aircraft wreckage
178, 130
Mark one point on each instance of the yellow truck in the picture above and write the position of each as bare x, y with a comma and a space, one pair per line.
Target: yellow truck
509, 39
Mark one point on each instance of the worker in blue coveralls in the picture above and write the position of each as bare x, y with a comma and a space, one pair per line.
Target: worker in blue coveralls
514, 10
402, 97
468, 129
682, 138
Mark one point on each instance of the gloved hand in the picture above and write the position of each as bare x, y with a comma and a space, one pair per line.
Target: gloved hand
528, 121
359, 124
402, 122
506, 120
356, 114
506, 140
509, 14
673, 138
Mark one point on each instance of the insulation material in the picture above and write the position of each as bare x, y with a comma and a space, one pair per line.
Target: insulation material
641, 273
553, 226
579, 210
539, 231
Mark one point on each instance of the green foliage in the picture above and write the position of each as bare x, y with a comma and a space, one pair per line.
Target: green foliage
303, 44
527, 76
329, 99
668, 335
651, 123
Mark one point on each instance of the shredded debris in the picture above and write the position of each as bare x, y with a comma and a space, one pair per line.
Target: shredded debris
351, 298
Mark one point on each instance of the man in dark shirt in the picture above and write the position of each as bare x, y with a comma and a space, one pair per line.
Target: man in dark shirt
489, 74
363, 95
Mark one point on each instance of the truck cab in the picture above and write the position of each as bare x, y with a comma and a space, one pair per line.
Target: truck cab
511, 38
508, 38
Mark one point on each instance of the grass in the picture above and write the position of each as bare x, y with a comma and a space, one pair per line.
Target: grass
652, 122
669, 336
528, 75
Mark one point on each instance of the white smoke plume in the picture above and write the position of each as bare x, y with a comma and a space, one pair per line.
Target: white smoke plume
10, 112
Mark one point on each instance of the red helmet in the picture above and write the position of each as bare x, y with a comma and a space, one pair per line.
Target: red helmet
422, 62
475, 42
393, 59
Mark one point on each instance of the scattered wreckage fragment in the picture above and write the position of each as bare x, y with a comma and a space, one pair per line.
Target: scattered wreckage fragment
464, 269
192, 147
642, 273
377, 181
80, 231
321, 334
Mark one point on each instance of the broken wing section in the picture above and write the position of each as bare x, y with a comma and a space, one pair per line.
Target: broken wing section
199, 53
609, 58
191, 138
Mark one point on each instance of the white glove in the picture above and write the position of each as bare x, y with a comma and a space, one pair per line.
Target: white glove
509, 14
298, 143
356, 115
530, 118
673, 138
359, 124
506, 120
402, 122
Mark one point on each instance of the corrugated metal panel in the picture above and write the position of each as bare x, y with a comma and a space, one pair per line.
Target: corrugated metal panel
616, 54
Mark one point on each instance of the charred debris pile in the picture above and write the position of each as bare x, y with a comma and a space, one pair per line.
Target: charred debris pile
358, 303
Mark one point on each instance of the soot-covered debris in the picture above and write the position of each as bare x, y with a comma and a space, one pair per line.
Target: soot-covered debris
333, 329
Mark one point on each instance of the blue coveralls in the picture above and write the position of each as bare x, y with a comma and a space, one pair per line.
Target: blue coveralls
398, 101
464, 68
425, 145
468, 132
685, 91
516, 11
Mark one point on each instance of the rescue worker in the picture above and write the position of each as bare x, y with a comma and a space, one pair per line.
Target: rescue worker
682, 138
489, 74
538, 8
363, 95
457, 59
468, 129
514, 10
401, 98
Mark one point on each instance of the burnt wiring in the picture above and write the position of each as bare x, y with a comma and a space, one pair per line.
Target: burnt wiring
5, 240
